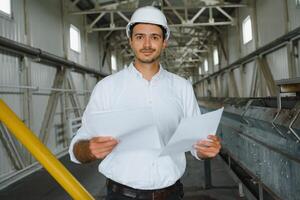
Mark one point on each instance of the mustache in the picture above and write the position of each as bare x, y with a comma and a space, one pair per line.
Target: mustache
147, 50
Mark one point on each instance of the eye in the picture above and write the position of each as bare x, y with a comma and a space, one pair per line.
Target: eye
155, 37
138, 37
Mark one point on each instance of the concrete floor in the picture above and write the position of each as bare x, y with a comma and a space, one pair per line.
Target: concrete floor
223, 186
41, 185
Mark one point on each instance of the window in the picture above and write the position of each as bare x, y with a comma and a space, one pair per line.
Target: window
200, 70
216, 56
247, 30
75, 39
5, 7
205, 65
113, 63
297, 3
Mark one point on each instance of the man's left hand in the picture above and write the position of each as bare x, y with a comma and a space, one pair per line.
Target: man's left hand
208, 148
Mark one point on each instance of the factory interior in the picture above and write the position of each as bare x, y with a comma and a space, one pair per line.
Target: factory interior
240, 55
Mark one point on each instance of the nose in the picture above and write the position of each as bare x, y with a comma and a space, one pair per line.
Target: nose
147, 42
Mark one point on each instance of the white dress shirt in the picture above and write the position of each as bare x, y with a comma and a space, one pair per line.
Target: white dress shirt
170, 97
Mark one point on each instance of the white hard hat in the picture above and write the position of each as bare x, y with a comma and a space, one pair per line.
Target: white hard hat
151, 15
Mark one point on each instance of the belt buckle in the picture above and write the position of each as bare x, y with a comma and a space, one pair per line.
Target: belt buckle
158, 195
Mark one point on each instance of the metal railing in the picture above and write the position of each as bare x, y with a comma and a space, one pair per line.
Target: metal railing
266, 49
42, 154
37, 88
41, 56
73, 126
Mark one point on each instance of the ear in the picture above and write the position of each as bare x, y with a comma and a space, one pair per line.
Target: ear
165, 44
130, 42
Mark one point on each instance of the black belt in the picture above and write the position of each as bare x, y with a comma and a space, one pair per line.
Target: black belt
159, 194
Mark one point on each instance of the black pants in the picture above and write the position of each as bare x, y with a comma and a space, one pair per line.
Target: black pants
178, 195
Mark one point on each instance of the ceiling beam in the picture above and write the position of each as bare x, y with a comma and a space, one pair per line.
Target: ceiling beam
101, 9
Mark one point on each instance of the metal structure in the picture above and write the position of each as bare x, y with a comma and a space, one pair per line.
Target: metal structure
260, 126
260, 135
48, 85
193, 27
43, 155
259, 56
63, 90
44, 57
264, 160
261, 74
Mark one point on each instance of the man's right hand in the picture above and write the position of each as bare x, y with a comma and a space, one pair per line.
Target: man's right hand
100, 147
93, 149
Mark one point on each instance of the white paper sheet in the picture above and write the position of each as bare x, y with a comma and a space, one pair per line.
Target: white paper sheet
190, 130
133, 128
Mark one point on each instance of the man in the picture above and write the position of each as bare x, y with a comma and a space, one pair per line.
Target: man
142, 174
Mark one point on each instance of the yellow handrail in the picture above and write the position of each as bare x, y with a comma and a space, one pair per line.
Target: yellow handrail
42, 154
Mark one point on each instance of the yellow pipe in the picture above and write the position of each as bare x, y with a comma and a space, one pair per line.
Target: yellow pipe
42, 154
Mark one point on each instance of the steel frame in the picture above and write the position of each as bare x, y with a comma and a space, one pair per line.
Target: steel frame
63, 89
51, 106
22, 50
232, 131
263, 74
185, 22
188, 20
12, 150
272, 46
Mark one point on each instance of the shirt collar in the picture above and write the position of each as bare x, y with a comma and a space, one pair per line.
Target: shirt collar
131, 68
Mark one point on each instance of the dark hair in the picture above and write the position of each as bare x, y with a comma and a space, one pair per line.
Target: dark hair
164, 31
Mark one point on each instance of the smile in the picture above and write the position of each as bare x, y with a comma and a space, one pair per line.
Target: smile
147, 52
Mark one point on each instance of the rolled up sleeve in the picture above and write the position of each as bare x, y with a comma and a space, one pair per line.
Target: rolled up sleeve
96, 103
